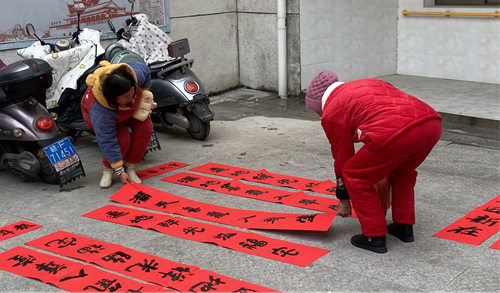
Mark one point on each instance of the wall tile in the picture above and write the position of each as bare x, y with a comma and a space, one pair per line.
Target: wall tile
320, 51
317, 26
312, 7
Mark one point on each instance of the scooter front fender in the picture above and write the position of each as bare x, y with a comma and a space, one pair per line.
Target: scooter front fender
23, 115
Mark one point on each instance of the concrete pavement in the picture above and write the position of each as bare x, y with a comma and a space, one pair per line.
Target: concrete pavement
255, 130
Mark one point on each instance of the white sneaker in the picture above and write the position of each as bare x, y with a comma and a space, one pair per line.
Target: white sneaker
107, 178
130, 169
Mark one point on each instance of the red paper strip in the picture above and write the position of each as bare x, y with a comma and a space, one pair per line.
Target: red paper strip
160, 169
495, 202
201, 232
150, 268
17, 229
475, 227
496, 245
146, 197
68, 275
236, 187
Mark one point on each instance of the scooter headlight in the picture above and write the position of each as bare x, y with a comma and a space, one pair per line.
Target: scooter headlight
18, 132
191, 86
44, 124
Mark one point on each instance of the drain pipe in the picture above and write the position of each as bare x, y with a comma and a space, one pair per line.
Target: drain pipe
282, 76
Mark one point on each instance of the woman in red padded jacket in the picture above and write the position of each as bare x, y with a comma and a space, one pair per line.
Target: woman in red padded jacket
398, 132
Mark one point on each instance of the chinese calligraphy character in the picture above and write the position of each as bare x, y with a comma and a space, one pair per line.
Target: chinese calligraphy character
311, 184
495, 210
63, 242
187, 179
484, 220
225, 236
207, 285
105, 284
140, 196
283, 252
246, 218
117, 257
304, 218
176, 276
217, 215
332, 189
93, 248
280, 197
194, 210
115, 214
273, 219
308, 201
243, 290
22, 260
154, 171
333, 207
229, 187
262, 176
81, 274
466, 231
192, 230
23, 226
163, 204
210, 182
146, 267
287, 181
168, 223
6, 232
253, 243
218, 170
255, 192
51, 267
238, 173
141, 218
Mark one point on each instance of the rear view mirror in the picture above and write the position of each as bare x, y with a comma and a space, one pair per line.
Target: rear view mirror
30, 29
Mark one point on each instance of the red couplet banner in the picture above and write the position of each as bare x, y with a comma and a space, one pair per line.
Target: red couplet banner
263, 176
496, 245
68, 275
160, 169
302, 255
136, 264
150, 198
238, 188
475, 227
17, 229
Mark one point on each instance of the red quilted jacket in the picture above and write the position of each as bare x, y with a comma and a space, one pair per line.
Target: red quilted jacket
371, 111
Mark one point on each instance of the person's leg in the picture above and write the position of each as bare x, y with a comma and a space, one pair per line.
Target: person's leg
139, 139
123, 141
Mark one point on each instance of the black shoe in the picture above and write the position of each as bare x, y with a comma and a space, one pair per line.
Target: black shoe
404, 232
375, 244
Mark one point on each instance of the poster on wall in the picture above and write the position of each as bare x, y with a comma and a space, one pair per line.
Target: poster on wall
56, 19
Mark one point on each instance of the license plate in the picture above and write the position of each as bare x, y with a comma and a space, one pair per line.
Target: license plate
60, 150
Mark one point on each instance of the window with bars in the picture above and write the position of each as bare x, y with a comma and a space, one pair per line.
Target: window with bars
494, 3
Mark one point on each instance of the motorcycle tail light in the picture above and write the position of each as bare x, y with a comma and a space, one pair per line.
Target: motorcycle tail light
44, 123
191, 86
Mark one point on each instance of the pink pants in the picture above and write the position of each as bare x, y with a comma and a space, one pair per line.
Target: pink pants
397, 161
133, 144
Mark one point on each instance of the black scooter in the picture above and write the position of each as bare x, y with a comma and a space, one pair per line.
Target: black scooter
177, 90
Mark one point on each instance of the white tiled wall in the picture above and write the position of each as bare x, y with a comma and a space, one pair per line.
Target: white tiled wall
353, 38
455, 47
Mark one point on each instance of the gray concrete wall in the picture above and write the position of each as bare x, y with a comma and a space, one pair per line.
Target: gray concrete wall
258, 44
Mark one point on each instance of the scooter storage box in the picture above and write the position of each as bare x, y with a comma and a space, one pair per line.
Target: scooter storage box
25, 78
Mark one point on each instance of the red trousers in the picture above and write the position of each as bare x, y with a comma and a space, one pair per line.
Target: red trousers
133, 144
397, 161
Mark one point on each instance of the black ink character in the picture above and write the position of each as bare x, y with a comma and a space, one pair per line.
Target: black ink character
81, 274
192, 230
238, 173
225, 236
193, 210
106, 285
168, 223
286, 181
22, 260
6, 232
304, 218
116, 214
466, 231
308, 201
141, 218
93, 248
51, 267
253, 243
284, 252
187, 179
311, 184
262, 176
246, 218
207, 286
63, 242
229, 187
280, 197
217, 215
484, 220
163, 204
255, 192
334, 207
176, 274
117, 257
218, 170
23, 226
332, 189
146, 267
495, 210
273, 219
140, 197
209, 183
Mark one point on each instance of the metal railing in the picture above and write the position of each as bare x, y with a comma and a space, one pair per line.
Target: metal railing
449, 13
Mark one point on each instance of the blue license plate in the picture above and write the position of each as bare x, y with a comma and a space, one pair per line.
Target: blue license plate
59, 150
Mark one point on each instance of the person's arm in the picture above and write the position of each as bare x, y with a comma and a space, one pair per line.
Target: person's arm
104, 124
143, 74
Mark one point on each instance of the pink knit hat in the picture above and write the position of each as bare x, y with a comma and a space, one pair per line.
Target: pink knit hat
317, 88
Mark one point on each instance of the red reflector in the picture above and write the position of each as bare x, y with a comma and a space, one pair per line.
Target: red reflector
191, 86
44, 123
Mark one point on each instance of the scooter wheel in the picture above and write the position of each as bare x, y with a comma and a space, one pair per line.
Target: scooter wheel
198, 129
